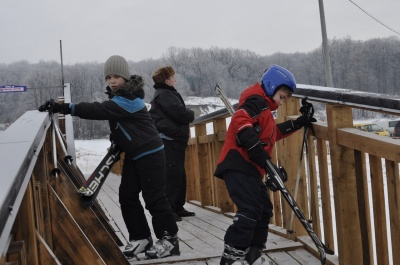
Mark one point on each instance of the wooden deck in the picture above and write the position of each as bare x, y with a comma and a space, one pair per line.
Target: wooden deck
201, 236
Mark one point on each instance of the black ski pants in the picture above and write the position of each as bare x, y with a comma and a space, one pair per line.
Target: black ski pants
176, 173
146, 175
250, 224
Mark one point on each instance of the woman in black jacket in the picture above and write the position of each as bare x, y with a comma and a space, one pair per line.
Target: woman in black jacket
171, 118
132, 129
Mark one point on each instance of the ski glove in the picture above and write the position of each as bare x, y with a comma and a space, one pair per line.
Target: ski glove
53, 107
303, 121
258, 155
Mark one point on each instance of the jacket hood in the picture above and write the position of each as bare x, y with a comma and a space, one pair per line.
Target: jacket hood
256, 89
132, 89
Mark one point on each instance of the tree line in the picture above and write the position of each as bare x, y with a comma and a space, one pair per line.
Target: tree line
371, 66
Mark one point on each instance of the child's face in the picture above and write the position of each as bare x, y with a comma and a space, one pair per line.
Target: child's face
171, 81
281, 96
115, 81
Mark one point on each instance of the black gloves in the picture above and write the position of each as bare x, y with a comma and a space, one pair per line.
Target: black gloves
303, 121
258, 155
53, 107
307, 113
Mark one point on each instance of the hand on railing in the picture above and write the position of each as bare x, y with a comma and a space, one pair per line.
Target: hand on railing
53, 107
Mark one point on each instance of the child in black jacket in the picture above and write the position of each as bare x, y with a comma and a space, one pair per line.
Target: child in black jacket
132, 129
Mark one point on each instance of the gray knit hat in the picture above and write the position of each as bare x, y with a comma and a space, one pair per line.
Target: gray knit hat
117, 65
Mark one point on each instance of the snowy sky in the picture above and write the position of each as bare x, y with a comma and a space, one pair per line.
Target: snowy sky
93, 30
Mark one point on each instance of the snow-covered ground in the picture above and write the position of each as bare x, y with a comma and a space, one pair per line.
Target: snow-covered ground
89, 153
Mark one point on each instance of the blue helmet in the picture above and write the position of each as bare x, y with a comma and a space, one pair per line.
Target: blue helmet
275, 77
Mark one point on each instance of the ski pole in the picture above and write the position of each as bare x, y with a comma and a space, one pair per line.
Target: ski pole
304, 142
55, 171
308, 111
67, 157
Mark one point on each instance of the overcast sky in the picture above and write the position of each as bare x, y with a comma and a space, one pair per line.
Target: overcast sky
93, 30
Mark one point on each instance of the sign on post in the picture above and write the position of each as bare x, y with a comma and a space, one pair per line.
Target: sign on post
12, 88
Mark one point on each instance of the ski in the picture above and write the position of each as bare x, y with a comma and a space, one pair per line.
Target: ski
274, 182
274, 178
224, 99
91, 188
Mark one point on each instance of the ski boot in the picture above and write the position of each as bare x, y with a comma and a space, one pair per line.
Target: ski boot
233, 256
253, 257
137, 246
167, 246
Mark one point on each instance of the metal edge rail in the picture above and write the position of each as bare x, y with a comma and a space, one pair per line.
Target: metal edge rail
353, 98
19, 150
348, 97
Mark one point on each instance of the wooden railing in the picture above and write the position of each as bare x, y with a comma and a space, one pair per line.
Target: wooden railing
351, 174
41, 218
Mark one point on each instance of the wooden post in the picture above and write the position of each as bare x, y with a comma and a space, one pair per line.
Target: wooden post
193, 189
224, 201
325, 194
206, 189
24, 226
289, 150
344, 188
378, 200
393, 184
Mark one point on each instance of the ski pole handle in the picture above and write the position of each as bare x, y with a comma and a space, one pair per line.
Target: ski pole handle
307, 109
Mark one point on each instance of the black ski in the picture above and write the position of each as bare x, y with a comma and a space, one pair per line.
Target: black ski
274, 179
91, 188
275, 182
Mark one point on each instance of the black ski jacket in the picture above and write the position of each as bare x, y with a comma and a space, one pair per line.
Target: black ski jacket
131, 126
170, 114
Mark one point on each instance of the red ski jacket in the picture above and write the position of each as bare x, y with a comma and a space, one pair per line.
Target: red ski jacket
235, 157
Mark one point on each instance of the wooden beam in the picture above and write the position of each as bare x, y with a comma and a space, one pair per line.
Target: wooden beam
381, 146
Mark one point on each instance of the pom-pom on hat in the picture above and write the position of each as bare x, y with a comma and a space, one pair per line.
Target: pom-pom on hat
163, 74
117, 65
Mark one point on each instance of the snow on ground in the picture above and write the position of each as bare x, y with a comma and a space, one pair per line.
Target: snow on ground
89, 153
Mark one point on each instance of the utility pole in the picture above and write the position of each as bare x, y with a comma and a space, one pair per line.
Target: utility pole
325, 50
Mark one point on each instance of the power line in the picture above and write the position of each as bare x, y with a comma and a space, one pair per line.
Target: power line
374, 18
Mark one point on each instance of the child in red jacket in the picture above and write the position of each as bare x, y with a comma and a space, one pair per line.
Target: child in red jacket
249, 141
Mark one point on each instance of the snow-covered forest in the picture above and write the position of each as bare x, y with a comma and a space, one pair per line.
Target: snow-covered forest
372, 66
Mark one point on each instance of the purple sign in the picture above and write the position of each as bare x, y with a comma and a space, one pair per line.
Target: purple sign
12, 88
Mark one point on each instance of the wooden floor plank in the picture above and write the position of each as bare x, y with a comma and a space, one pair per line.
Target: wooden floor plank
282, 258
304, 257
201, 236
